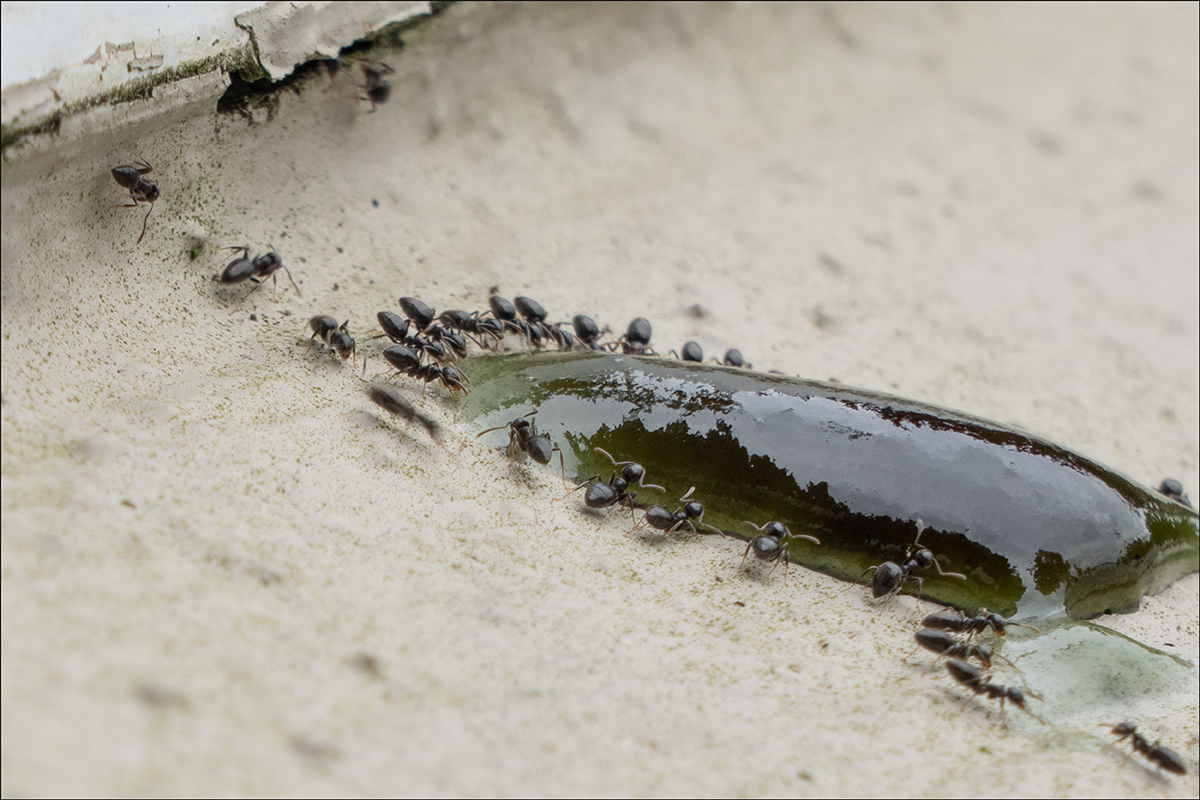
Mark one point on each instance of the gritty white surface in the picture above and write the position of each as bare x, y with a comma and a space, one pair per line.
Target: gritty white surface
224, 573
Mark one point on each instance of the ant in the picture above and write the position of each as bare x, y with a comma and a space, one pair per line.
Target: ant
472, 325
141, 190
523, 436
419, 314
586, 330
636, 340
659, 518
336, 337
1163, 757
733, 358
390, 400
536, 327
890, 577
974, 680
692, 351
407, 362
944, 644
395, 328
378, 90
1174, 490
771, 545
256, 270
421, 317
616, 491
506, 314
950, 619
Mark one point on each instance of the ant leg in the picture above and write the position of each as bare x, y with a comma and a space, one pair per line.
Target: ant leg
743, 564
293, 280
145, 219
783, 556
561, 466
692, 528
257, 282
514, 448
859, 578
920, 587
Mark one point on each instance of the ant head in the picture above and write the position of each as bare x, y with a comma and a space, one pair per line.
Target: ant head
693, 510
633, 473
923, 557
342, 343
984, 653
776, 529
268, 263
151, 193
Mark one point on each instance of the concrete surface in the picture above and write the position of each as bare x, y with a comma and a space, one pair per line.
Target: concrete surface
225, 573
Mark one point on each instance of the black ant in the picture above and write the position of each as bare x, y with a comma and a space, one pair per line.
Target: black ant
390, 400
421, 317
771, 545
616, 491
586, 330
636, 340
474, 326
141, 190
378, 90
691, 351
733, 358
407, 362
1174, 490
1164, 757
419, 314
336, 337
946, 645
974, 680
256, 270
564, 339
523, 437
535, 325
691, 514
890, 577
396, 327
455, 341
506, 314
950, 619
